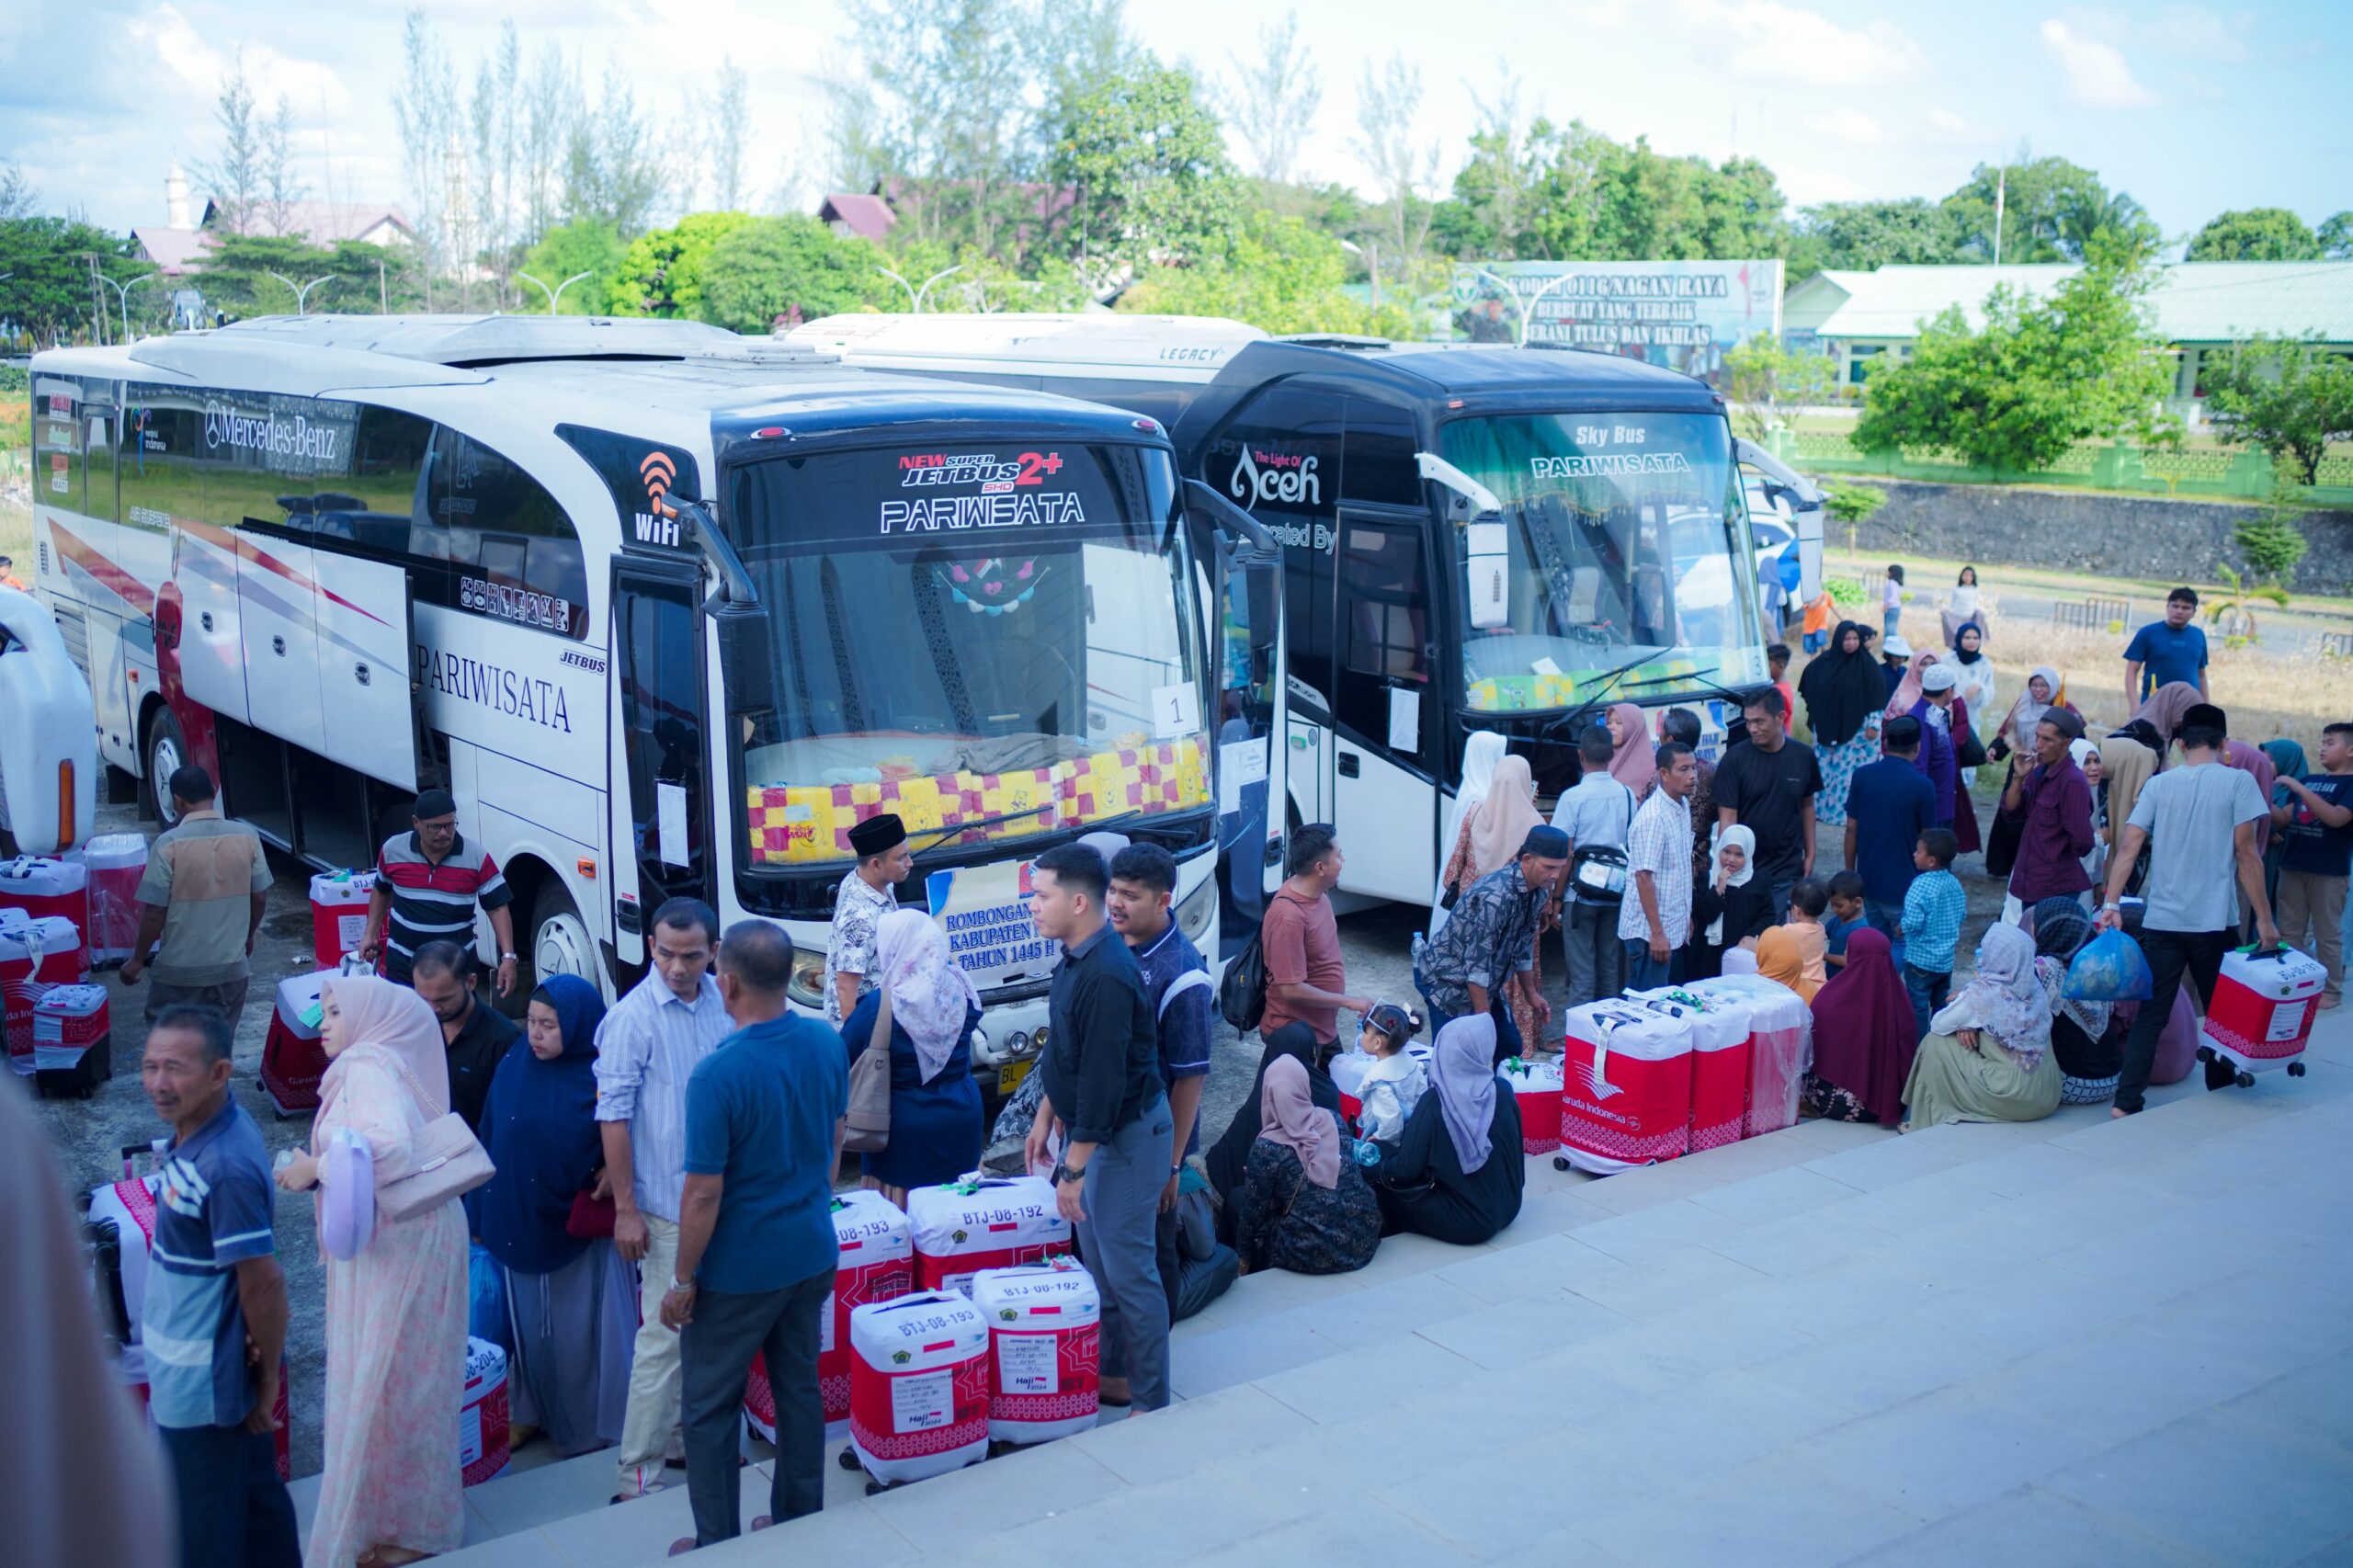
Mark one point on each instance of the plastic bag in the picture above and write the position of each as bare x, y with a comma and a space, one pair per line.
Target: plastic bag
2109, 968
347, 1204
486, 1299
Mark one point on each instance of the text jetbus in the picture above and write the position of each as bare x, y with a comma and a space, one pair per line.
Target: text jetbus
1474, 538
669, 611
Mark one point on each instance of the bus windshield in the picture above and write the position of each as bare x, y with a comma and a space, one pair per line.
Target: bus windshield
993, 643
1620, 543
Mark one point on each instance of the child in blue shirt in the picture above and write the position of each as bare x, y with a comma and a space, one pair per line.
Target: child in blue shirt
1846, 913
1933, 911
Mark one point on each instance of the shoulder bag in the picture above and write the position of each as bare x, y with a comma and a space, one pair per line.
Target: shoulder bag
1242, 995
450, 1163
867, 1129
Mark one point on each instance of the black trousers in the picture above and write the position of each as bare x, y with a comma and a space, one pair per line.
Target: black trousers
715, 1356
234, 1512
2170, 954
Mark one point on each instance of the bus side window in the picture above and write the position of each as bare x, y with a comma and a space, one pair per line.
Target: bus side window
1385, 615
501, 523
1381, 467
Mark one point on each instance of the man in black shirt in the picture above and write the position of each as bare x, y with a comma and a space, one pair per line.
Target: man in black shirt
449, 977
1102, 1077
1767, 787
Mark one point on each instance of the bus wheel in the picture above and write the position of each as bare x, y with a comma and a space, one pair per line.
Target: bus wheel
560, 943
166, 753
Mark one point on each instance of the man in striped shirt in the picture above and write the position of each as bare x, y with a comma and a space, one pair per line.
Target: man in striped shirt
646, 1048
428, 884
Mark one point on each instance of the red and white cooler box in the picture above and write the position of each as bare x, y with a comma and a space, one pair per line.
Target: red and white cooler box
1349, 1068
40, 886
1537, 1086
982, 1222
919, 1385
1626, 1094
339, 913
1780, 1045
1720, 1063
70, 1022
877, 1264
2264, 1007
1045, 1337
484, 1433
292, 1059
115, 862
36, 952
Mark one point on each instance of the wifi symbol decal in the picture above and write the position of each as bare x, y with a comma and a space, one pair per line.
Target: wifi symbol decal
658, 472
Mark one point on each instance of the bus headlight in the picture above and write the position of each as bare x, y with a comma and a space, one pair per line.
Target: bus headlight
807, 985
1198, 910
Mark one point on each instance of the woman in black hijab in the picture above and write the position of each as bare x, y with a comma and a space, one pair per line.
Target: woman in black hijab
1844, 693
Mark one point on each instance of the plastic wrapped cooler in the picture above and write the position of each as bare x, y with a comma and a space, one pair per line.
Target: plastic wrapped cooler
919, 1385
339, 913
982, 1222
116, 863
292, 1059
71, 1054
1045, 1336
40, 886
877, 1264
2263, 1007
1348, 1070
1626, 1091
36, 952
1720, 1063
484, 1431
1780, 1045
1537, 1086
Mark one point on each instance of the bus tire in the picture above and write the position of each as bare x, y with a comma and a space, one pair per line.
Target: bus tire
162, 752
557, 943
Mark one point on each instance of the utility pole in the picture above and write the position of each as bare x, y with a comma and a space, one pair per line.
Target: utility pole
2001, 182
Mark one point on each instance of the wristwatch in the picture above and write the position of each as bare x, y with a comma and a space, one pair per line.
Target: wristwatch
1062, 1173
677, 1284
507, 958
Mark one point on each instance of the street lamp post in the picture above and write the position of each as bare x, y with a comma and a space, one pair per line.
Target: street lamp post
303, 290
122, 294
915, 295
1527, 306
556, 294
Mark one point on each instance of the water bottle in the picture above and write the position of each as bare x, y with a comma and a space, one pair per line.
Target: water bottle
1365, 1152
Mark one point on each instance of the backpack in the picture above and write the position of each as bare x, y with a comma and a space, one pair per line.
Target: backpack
1242, 995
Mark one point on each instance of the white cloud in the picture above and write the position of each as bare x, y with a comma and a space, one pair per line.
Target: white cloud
2098, 77
1948, 127
1807, 186
1849, 125
308, 85
2205, 35
1765, 40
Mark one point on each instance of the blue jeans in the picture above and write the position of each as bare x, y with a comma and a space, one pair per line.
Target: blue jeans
233, 1509
1928, 990
1644, 973
1887, 624
1508, 1042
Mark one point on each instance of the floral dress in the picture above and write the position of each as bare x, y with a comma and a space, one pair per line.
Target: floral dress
1284, 1220
1839, 764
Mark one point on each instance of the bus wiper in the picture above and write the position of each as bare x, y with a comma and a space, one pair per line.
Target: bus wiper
1016, 816
1707, 688
1608, 684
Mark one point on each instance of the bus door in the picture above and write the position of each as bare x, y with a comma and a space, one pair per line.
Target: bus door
1385, 708
1243, 565
660, 833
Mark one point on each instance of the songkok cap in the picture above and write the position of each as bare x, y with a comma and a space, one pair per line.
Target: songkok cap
1548, 843
1901, 731
2205, 716
434, 803
877, 835
2067, 723
1937, 677
1895, 648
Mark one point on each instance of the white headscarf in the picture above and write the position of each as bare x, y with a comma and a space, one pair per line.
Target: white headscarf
929, 994
1479, 754
2004, 998
1745, 836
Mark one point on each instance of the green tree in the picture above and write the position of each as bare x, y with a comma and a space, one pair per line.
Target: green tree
2255, 233
1281, 275
1851, 504
47, 294
1147, 168
764, 269
2271, 541
585, 245
662, 273
237, 275
1762, 379
2051, 210
1865, 235
2292, 397
2040, 376
2336, 236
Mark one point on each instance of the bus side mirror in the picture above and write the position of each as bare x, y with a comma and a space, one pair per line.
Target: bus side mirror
746, 664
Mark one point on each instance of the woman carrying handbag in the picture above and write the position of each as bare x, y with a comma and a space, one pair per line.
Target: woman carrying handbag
396, 1310
915, 1118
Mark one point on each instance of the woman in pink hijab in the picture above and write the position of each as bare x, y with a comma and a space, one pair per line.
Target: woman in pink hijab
396, 1314
1303, 1204
1909, 690
1635, 762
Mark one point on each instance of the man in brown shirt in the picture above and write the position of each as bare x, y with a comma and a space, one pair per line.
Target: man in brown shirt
205, 889
1300, 940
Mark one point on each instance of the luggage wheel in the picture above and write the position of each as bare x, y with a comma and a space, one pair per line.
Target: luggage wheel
2295, 1069
2246, 1080
847, 1459
1560, 1163
876, 1488
2205, 1053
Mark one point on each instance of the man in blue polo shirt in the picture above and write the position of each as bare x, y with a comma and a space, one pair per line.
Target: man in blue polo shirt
2167, 651
214, 1325
755, 1234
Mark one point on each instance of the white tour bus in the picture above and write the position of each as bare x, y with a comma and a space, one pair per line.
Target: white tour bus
1475, 538
669, 611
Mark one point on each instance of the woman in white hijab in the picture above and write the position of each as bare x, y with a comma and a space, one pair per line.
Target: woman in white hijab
1479, 754
936, 1126
1989, 1057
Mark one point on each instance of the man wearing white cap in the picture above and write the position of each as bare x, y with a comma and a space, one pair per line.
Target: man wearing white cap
1936, 760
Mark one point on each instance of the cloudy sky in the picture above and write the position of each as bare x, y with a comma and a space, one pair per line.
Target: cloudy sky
2190, 108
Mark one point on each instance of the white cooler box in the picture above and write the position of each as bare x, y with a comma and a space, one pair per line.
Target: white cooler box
1045, 1335
483, 1445
1348, 1070
876, 1265
1537, 1086
2263, 1009
40, 886
339, 913
36, 953
919, 1386
1626, 1095
116, 863
982, 1222
1720, 1063
72, 1052
1780, 1046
